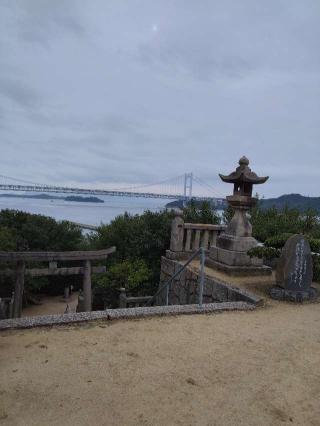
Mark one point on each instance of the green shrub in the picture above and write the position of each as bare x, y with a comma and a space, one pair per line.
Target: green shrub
133, 275
269, 253
8, 239
277, 241
314, 244
20, 231
145, 237
316, 268
272, 222
37, 232
130, 274
203, 213
264, 252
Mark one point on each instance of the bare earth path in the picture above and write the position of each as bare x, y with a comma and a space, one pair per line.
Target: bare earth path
51, 305
241, 368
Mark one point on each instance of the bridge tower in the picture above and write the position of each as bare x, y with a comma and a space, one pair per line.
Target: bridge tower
188, 177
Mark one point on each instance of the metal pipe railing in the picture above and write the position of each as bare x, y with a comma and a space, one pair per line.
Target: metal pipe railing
166, 285
202, 260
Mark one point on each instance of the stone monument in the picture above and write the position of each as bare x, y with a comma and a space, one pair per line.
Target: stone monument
294, 272
230, 252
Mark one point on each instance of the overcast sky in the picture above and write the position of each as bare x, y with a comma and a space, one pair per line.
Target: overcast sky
131, 91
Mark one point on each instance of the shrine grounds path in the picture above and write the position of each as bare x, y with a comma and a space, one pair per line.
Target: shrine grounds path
238, 368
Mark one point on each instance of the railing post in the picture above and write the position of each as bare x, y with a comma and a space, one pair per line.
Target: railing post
167, 295
202, 260
177, 231
214, 237
87, 286
80, 306
122, 298
11, 305
66, 293
18, 289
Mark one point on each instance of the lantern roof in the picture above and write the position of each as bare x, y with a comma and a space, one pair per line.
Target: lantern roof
243, 173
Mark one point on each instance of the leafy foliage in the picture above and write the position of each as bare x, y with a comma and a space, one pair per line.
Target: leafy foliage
203, 213
8, 239
314, 244
140, 240
227, 215
273, 222
264, 252
133, 275
129, 274
37, 232
20, 231
146, 237
277, 241
274, 227
316, 268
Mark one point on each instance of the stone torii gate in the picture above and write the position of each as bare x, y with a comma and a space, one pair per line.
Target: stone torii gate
21, 258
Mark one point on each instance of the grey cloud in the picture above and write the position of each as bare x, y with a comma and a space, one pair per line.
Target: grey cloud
110, 123
41, 21
201, 66
134, 91
19, 92
237, 39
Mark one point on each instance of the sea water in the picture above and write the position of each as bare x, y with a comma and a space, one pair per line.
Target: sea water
84, 212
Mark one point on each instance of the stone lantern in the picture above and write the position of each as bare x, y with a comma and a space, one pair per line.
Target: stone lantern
230, 252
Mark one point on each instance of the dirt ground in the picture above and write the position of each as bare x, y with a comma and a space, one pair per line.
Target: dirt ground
51, 305
238, 368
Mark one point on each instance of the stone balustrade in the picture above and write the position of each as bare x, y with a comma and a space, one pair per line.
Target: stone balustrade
186, 238
132, 302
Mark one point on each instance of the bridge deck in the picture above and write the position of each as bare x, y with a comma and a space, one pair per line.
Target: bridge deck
79, 191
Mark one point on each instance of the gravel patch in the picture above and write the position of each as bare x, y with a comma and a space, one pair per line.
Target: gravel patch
177, 310
113, 314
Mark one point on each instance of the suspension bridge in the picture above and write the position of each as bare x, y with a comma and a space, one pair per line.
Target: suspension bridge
177, 188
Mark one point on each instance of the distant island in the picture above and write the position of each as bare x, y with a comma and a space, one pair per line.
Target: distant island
76, 198
83, 199
295, 201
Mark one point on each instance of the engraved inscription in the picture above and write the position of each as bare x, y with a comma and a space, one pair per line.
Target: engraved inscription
300, 264
294, 271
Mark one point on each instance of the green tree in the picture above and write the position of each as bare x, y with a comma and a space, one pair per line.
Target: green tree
8, 239
133, 275
20, 231
204, 212
273, 227
129, 274
145, 236
227, 215
272, 222
37, 232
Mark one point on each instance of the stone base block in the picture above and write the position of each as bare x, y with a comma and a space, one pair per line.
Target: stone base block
235, 243
233, 258
238, 270
280, 293
177, 255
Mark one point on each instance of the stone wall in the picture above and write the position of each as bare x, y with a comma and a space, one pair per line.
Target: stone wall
185, 288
